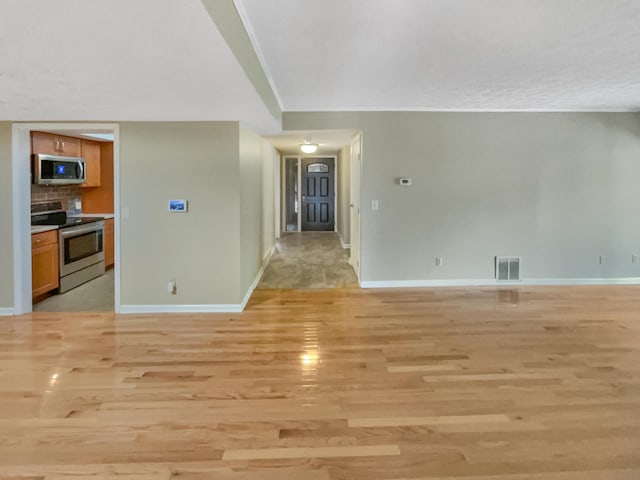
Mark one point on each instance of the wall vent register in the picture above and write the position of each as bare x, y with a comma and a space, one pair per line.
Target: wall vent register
508, 268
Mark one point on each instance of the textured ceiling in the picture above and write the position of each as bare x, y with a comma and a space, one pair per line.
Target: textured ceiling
449, 54
121, 60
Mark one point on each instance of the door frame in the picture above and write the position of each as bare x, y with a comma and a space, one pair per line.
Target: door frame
283, 161
355, 192
21, 208
305, 194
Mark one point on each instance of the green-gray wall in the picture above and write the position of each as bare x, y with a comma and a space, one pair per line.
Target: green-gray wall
558, 189
6, 218
196, 161
250, 206
215, 250
256, 204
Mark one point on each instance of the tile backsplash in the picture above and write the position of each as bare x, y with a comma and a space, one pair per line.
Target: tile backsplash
67, 194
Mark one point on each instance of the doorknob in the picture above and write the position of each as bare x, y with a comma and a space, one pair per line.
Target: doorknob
351, 205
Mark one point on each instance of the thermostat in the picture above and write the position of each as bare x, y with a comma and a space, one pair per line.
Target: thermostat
179, 206
405, 182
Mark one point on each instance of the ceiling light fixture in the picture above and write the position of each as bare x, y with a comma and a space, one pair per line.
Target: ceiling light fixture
308, 147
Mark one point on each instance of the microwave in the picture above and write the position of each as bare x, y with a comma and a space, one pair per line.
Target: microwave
55, 170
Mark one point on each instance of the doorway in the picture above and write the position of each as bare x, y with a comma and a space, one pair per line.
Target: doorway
318, 194
21, 182
316, 248
309, 194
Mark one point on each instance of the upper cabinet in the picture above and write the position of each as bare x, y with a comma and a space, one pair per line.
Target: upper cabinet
50, 144
91, 155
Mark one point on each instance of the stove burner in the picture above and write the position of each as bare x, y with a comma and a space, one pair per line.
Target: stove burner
52, 214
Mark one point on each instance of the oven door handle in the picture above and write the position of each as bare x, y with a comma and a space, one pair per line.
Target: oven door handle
81, 231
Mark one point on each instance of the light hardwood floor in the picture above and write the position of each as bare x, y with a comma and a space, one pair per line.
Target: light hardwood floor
474, 384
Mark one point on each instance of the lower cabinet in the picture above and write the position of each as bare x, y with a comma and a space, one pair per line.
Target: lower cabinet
108, 242
44, 262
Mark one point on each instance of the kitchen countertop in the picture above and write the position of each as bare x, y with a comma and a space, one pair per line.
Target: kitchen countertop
43, 228
46, 228
106, 216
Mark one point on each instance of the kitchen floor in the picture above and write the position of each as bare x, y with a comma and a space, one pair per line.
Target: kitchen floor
309, 260
94, 296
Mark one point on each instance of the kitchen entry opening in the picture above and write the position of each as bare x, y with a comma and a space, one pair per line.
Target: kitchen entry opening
310, 194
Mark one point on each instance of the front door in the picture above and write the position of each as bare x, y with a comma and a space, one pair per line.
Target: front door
318, 194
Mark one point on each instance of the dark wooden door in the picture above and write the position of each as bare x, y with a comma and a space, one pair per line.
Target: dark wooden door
318, 194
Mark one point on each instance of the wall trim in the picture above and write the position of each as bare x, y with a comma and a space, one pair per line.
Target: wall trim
214, 308
403, 109
7, 312
244, 18
489, 282
254, 284
344, 245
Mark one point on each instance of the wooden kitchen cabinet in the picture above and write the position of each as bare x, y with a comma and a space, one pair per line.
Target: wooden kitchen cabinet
108, 242
91, 153
51, 144
44, 262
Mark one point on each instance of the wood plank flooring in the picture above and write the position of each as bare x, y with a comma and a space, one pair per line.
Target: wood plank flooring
418, 384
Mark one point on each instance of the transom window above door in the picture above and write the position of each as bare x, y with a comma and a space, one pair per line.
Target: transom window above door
317, 168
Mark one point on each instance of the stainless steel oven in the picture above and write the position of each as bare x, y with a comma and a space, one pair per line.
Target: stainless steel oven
81, 254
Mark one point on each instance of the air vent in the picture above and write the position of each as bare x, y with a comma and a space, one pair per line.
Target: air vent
507, 268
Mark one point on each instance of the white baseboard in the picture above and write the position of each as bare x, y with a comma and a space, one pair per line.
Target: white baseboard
268, 256
214, 308
7, 312
219, 308
344, 245
495, 283
254, 284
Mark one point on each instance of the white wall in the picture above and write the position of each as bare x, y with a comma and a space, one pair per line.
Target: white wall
558, 189
6, 218
344, 199
196, 161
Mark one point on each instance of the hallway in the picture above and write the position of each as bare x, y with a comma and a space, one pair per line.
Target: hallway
309, 260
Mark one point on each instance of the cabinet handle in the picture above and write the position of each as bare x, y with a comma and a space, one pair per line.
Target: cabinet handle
62, 148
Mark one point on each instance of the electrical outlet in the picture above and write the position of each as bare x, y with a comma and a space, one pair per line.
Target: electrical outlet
634, 258
438, 261
603, 259
374, 205
171, 287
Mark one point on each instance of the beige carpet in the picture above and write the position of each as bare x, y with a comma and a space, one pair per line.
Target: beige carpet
96, 295
309, 260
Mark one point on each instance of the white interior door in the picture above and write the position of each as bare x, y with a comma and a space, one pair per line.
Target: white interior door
356, 172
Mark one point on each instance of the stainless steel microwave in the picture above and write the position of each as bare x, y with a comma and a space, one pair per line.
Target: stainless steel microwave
55, 170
